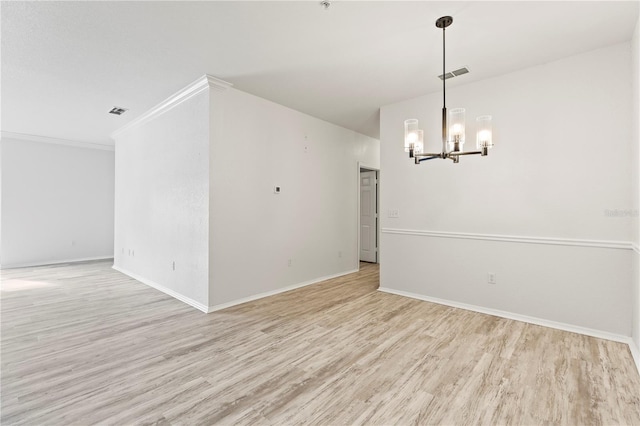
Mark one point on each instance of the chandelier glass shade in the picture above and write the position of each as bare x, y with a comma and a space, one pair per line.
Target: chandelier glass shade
453, 124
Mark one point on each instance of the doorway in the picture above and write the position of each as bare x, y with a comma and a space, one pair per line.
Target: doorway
368, 214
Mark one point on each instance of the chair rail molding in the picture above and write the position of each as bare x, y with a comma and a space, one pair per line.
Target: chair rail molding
619, 245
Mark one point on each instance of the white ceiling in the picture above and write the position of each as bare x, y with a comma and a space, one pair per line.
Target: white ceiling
66, 64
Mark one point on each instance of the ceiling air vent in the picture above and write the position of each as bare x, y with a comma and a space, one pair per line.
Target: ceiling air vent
455, 73
117, 111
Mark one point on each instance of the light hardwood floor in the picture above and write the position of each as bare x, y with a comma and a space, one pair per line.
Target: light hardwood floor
84, 344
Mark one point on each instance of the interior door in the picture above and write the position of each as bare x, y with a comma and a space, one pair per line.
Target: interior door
368, 217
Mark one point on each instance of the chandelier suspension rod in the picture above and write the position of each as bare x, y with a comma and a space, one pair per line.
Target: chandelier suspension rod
444, 95
444, 86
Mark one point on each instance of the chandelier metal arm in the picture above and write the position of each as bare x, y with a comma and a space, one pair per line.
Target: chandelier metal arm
482, 152
453, 155
424, 157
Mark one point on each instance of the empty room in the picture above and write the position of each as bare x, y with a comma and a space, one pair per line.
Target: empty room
320, 212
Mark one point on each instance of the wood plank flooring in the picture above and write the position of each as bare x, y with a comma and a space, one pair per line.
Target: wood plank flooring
84, 344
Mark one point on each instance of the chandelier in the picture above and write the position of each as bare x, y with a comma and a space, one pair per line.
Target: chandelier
453, 125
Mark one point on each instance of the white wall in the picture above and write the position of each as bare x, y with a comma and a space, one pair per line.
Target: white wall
57, 203
162, 197
635, 203
194, 185
313, 221
559, 165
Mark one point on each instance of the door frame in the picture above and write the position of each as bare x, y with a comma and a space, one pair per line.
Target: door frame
367, 167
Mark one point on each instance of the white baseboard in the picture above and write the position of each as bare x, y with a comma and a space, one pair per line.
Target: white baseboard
54, 262
633, 348
209, 309
189, 301
517, 317
635, 352
278, 291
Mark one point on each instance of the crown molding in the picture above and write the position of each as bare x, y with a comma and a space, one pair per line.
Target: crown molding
203, 83
56, 141
216, 83
619, 245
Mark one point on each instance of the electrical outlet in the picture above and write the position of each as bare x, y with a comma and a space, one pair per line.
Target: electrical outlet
174, 265
340, 254
393, 213
491, 278
289, 263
